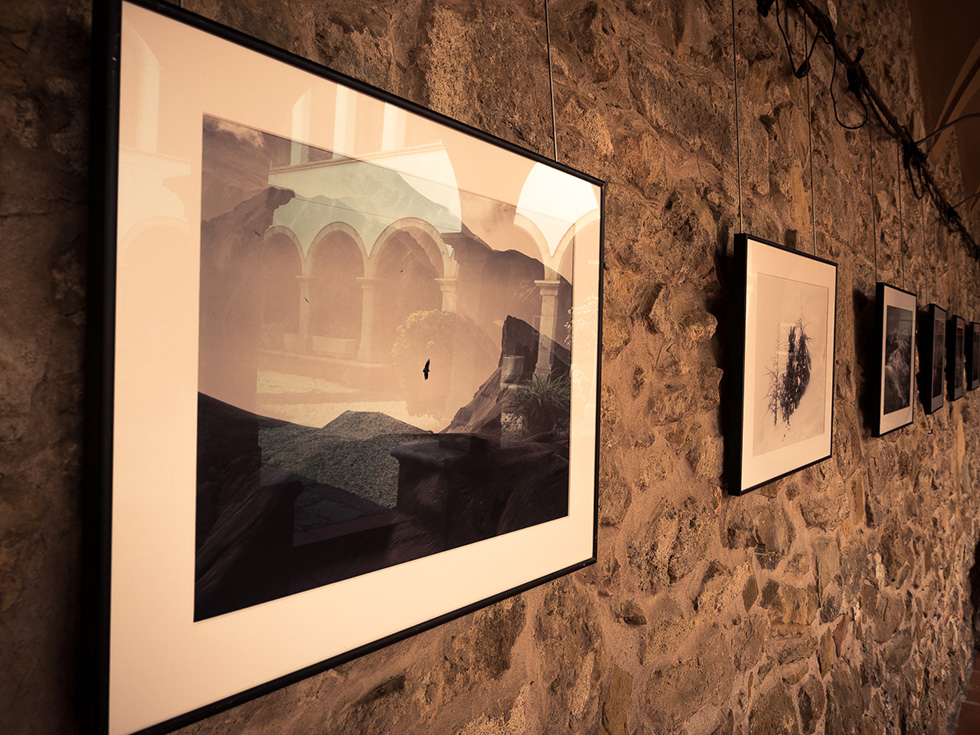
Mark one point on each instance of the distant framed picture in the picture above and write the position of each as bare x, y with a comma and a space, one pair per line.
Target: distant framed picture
973, 356
896, 314
955, 350
933, 362
349, 368
782, 417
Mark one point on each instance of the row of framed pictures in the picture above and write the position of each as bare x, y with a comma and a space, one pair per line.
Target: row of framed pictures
950, 349
276, 493
782, 419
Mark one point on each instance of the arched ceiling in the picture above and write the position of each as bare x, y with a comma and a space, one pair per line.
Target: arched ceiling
947, 45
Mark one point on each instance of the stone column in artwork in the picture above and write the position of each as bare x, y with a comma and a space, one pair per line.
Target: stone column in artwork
448, 286
462, 295
366, 344
461, 367
470, 258
549, 324
304, 344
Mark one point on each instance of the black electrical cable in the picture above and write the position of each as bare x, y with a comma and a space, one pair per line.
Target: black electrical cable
950, 124
918, 192
833, 98
804, 68
782, 31
920, 178
972, 196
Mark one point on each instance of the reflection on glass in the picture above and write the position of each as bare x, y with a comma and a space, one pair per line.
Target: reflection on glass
385, 357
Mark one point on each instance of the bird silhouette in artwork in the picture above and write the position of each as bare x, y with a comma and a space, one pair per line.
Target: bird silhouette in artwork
425, 370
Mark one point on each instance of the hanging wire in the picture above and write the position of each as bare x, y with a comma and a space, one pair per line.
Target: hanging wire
809, 136
871, 170
551, 79
922, 234
833, 99
738, 144
949, 275
901, 230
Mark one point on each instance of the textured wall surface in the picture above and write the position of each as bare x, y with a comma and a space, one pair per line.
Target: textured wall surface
835, 600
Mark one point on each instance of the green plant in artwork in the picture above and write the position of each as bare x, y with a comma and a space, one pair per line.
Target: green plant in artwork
424, 333
544, 403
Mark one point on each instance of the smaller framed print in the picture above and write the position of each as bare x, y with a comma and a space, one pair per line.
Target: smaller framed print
973, 356
896, 358
933, 358
955, 339
782, 415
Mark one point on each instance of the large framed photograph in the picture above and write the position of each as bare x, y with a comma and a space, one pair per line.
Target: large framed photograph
350, 359
955, 349
933, 362
782, 417
972, 356
895, 365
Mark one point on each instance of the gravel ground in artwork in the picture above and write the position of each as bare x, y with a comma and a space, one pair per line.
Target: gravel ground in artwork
318, 413
352, 453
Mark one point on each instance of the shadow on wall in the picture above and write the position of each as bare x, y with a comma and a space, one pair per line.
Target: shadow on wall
864, 337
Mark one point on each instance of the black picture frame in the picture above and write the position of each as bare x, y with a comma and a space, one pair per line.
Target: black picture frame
933, 358
955, 350
973, 356
783, 348
895, 311
167, 84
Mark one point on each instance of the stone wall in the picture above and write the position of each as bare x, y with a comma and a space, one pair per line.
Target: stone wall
835, 600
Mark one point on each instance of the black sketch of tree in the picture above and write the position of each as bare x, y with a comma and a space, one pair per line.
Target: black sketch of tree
787, 386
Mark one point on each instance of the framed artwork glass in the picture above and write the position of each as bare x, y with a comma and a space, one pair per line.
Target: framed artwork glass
784, 363
955, 349
349, 368
933, 363
896, 312
973, 356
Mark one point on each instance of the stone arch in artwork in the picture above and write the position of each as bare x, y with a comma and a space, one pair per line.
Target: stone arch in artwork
563, 257
406, 264
534, 244
285, 233
337, 261
585, 229
425, 236
145, 106
281, 267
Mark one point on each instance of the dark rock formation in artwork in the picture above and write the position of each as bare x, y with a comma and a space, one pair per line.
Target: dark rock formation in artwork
466, 485
898, 363
283, 507
463, 488
244, 523
482, 414
271, 523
